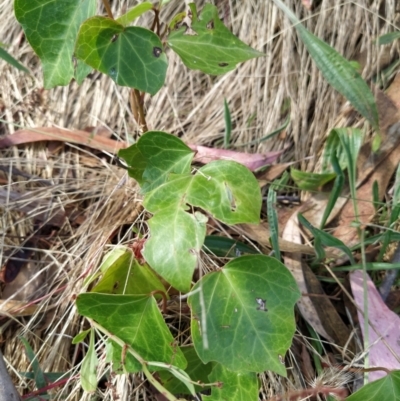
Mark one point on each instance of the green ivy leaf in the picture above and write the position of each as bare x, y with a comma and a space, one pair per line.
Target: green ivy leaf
131, 56
209, 46
235, 386
176, 238
51, 27
385, 389
196, 370
226, 189
155, 156
127, 276
240, 318
137, 321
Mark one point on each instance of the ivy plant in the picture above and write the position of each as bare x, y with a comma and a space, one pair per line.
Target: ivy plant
242, 314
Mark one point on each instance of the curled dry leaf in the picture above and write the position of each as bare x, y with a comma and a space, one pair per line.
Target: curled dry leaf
253, 161
294, 264
384, 337
317, 308
100, 142
29, 135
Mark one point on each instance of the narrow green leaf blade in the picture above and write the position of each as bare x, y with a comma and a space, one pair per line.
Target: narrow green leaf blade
236, 386
310, 181
89, 366
51, 27
325, 238
39, 375
255, 296
339, 72
134, 12
273, 221
228, 124
209, 46
80, 336
227, 247
12, 61
388, 38
131, 56
137, 321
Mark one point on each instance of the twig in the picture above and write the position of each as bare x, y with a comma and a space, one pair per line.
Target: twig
137, 101
108, 9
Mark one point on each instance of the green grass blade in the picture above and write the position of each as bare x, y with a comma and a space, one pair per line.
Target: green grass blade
273, 222
325, 239
339, 72
270, 135
336, 190
228, 124
388, 38
12, 61
39, 376
376, 266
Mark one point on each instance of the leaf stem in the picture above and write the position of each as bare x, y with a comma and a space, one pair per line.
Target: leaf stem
126, 347
108, 9
164, 298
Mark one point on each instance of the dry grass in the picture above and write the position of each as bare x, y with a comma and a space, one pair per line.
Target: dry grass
191, 105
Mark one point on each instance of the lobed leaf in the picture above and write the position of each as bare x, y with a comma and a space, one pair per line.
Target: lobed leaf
226, 189
127, 276
51, 28
385, 389
240, 317
208, 45
131, 56
137, 321
154, 157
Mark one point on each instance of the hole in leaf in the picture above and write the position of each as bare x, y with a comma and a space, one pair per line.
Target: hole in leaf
210, 24
114, 38
261, 304
157, 51
223, 64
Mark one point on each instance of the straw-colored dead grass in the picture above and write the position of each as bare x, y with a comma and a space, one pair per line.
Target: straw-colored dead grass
191, 105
